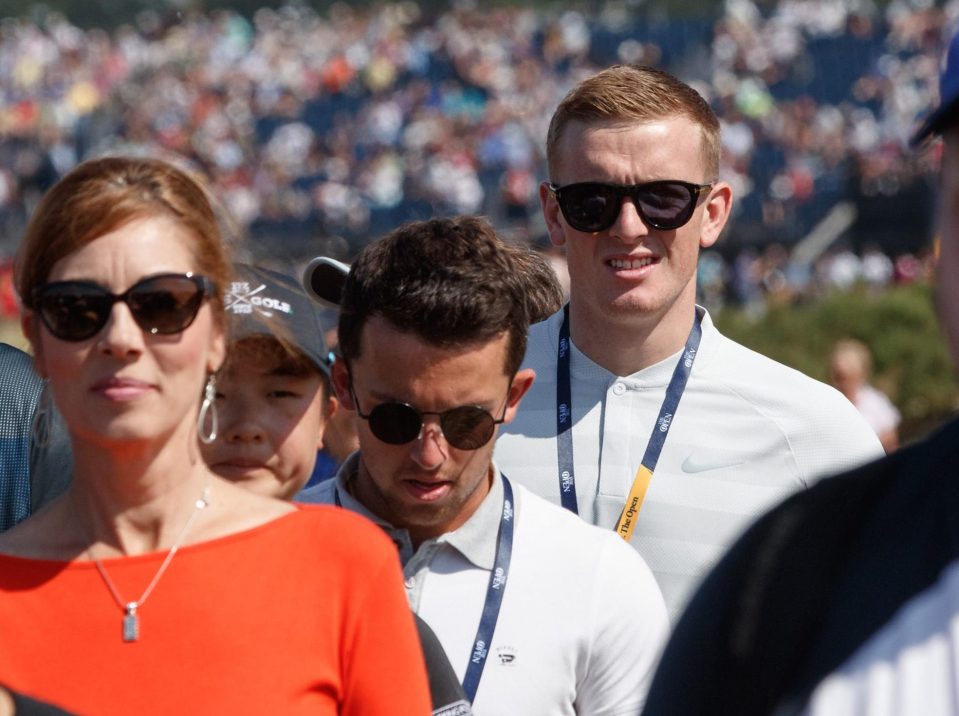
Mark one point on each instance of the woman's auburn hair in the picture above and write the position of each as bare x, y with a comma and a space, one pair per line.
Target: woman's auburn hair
99, 196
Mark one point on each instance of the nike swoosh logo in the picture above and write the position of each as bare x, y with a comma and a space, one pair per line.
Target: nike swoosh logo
693, 464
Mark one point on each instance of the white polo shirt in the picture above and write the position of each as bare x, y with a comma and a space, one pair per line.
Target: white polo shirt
748, 432
582, 622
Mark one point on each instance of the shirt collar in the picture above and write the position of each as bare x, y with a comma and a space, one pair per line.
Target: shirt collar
476, 538
654, 376
343, 496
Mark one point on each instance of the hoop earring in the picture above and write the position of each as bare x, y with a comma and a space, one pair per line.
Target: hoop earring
42, 425
208, 410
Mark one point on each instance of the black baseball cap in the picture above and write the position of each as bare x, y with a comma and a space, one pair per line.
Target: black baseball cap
261, 301
945, 113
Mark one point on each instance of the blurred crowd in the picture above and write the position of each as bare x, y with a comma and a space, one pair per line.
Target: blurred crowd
320, 132
755, 279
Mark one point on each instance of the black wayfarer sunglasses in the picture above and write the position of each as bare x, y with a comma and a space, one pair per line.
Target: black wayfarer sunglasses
466, 427
593, 206
163, 304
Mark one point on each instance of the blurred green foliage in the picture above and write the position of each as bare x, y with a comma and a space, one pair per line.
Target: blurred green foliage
911, 363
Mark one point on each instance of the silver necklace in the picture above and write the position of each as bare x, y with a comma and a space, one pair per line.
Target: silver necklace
131, 619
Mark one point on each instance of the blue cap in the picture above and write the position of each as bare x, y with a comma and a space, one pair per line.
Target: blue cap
261, 301
948, 94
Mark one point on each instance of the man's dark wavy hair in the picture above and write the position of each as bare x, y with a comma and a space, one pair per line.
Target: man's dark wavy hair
450, 282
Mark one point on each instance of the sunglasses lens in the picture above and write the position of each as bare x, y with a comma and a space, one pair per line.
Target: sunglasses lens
395, 423
590, 207
467, 427
593, 207
666, 205
165, 304
73, 311
78, 310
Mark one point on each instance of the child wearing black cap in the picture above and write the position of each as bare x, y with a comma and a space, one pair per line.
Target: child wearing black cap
272, 392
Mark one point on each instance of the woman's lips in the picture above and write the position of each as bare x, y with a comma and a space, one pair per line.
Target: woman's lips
121, 389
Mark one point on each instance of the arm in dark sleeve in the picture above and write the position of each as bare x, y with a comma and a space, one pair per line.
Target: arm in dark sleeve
691, 677
26, 706
744, 644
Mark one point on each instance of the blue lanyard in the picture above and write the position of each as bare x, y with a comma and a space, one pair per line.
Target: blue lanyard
564, 407
564, 420
494, 596
494, 592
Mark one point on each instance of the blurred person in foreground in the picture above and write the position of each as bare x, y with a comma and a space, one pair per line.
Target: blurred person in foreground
845, 598
271, 398
35, 461
850, 366
633, 379
538, 612
152, 585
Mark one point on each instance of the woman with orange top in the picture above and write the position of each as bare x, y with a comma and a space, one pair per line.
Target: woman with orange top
152, 585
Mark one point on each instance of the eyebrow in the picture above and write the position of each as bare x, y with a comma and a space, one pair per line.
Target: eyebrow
388, 398
289, 369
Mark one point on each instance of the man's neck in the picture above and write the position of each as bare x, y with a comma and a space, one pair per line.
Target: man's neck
625, 344
364, 491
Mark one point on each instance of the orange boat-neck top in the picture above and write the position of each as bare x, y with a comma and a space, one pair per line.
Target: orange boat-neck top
305, 614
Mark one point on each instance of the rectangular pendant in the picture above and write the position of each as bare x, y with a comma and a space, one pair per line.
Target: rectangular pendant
131, 626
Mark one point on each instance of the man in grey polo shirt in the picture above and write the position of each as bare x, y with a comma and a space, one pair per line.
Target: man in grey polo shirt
538, 612
633, 379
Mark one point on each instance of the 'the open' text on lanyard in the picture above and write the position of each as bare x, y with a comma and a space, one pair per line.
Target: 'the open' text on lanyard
667, 413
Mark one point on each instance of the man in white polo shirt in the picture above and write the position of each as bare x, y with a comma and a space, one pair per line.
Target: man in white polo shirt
633, 379
539, 613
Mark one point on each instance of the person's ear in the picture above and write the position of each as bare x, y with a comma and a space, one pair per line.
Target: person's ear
522, 382
218, 346
340, 377
332, 404
551, 213
715, 214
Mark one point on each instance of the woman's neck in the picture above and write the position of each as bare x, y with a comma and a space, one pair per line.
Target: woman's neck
134, 497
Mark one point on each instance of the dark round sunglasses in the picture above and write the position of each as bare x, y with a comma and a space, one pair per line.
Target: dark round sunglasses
163, 304
466, 427
593, 206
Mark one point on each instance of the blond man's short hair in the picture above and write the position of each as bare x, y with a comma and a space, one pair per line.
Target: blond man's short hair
634, 94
